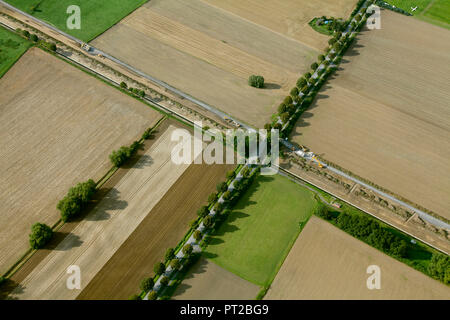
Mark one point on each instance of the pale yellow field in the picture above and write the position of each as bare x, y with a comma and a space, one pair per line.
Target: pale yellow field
95, 239
57, 127
204, 47
208, 281
386, 114
327, 263
209, 54
289, 17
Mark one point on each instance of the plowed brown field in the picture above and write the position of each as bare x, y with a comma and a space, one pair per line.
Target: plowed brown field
327, 263
102, 232
163, 227
57, 127
209, 54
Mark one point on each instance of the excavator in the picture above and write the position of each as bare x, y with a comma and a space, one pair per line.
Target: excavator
318, 162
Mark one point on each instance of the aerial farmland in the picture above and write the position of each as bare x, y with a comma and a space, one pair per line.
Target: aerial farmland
326, 263
163, 227
53, 138
376, 118
236, 247
216, 50
135, 206
289, 18
115, 124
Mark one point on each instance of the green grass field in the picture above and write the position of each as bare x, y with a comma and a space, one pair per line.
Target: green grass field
12, 47
97, 16
432, 11
257, 236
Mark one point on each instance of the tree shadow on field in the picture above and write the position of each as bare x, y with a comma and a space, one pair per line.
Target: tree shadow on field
245, 201
271, 86
111, 201
7, 287
198, 268
353, 50
181, 288
209, 255
215, 241
143, 162
70, 241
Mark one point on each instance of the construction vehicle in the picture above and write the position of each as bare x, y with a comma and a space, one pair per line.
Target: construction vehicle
86, 47
318, 162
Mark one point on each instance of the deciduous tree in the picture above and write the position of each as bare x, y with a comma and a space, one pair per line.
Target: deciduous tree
40, 235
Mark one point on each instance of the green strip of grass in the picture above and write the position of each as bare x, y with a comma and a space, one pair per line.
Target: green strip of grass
97, 16
257, 236
12, 47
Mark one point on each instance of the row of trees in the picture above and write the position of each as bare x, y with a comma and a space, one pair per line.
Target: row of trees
308, 86
121, 156
32, 37
136, 91
76, 199
373, 233
366, 229
159, 268
358, 6
439, 267
79, 196
209, 222
147, 134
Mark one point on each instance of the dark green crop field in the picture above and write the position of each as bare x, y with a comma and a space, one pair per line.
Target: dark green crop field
12, 47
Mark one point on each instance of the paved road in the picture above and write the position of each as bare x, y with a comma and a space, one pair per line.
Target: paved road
434, 221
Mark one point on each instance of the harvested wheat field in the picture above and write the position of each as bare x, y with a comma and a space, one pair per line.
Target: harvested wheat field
101, 233
58, 126
163, 227
207, 281
210, 54
386, 114
289, 18
327, 263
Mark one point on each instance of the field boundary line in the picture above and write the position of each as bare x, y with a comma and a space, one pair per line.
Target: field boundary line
59, 223
198, 246
118, 21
